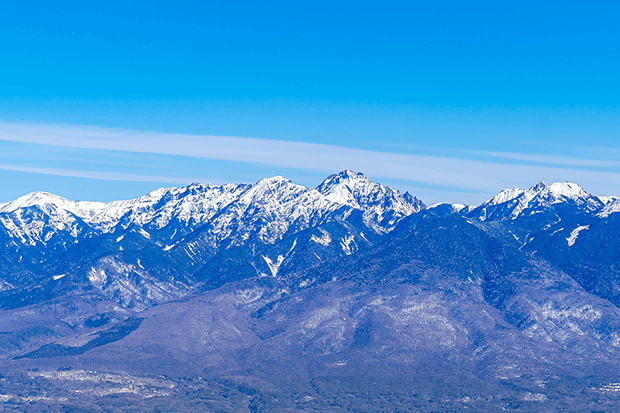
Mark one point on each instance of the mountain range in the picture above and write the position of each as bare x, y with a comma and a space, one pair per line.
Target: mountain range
277, 297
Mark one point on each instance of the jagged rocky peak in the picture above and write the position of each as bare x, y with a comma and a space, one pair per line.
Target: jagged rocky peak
413, 200
343, 176
345, 187
382, 206
356, 190
540, 186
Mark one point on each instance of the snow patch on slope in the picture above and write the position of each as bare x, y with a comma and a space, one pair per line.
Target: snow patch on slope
325, 239
348, 244
274, 266
575, 233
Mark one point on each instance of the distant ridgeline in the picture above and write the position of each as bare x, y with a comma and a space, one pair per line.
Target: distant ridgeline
277, 297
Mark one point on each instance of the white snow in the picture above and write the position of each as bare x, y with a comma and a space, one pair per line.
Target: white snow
505, 196
515, 201
609, 199
611, 207
325, 239
459, 207
455, 207
234, 211
274, 266
567, 190
573, 235
357, 191
5, 285
348, 244
97, 278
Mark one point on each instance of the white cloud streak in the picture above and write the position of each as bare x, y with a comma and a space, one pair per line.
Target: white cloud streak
546, 159
435, 170
102, 175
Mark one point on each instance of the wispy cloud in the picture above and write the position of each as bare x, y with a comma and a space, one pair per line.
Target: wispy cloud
550, 159
469, 174
103, 175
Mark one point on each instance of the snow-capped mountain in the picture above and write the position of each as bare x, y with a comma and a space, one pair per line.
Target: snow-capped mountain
308, 293
267, 209
383, 207
161, 245
186, 228
512, 203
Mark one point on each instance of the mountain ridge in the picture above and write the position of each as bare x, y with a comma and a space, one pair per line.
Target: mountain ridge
279, 297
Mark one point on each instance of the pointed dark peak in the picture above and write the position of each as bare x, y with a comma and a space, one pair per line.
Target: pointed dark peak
539, 187
414, 200
348, 174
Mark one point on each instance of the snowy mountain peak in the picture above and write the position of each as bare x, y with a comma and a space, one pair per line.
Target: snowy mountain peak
277, 180
505, 196
31, 199
556, 192
378, 202
232, 210
50, 202
348, 188
345, 177
568, 190
511, 203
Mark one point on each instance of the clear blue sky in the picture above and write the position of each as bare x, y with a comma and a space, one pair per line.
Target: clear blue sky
452, 101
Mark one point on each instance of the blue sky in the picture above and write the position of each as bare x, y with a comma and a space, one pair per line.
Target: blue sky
452, 101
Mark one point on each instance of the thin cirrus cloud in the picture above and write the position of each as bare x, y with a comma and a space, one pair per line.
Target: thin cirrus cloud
101, 175
453, 172
551, 160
